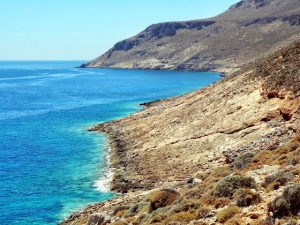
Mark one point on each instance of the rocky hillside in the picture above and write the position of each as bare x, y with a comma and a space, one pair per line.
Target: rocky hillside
221, 43
226, 154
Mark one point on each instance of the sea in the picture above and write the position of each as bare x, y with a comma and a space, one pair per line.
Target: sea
50, 165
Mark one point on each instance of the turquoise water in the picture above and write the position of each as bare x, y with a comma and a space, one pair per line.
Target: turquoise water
50, 165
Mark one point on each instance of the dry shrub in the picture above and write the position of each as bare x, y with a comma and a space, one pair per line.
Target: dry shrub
133, 210
120, 213
262, 157
208, 198
226, 214
222, 202
235, 220
273, 186
163, 198
228, 185
132, 220
121, 208
200, 222
204, 175
158, 219
279, 176
119, 223
267, 221
146, 218
184, 217
185, 206
246, 197
288, 154
194, 193
217, 174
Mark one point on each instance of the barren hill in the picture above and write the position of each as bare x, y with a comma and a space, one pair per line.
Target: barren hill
227, 149
247, 31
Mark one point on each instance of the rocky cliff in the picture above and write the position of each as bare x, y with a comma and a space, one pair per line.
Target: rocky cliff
223, 43
227, 153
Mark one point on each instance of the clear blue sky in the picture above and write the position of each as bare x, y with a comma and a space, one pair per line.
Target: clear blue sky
85, 29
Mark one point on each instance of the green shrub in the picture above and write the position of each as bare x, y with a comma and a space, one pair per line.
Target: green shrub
226, 214
279, 207
287, 204
228, 185
242, 161
292, 195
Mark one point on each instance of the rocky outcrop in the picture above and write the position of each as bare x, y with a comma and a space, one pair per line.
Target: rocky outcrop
222, 43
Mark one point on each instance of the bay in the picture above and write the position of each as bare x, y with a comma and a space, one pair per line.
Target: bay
50, 165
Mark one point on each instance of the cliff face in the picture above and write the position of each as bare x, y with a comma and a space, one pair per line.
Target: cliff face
221, 43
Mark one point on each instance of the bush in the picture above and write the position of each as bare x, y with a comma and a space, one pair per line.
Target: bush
246, 197
242, 161
228, 185
287, 204
279, 207
226, 214
292, 195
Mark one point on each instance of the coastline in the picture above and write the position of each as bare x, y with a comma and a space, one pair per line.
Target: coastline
174, 141
140, 151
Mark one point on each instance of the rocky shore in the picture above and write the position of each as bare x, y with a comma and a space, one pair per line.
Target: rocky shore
173, 142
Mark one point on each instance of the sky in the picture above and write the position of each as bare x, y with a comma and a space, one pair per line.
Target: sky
85, 29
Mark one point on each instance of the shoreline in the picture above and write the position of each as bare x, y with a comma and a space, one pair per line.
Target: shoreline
176, 140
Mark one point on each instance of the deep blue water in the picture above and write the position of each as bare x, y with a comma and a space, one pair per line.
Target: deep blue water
49, 164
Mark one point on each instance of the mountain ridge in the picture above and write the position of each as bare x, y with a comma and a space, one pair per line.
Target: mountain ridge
206, 44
